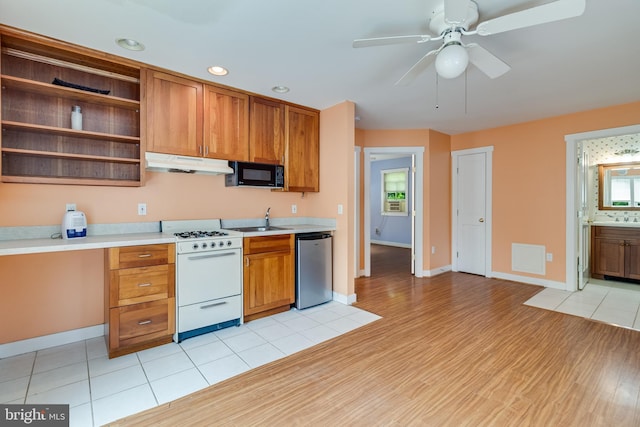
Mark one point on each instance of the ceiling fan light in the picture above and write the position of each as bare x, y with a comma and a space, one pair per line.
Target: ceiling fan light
452, 61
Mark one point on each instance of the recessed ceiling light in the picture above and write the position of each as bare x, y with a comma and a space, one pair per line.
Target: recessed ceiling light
130, 44
280, 89
217, 70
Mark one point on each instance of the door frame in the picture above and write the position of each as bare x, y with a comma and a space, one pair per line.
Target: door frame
571, 246
417, 249
488, 176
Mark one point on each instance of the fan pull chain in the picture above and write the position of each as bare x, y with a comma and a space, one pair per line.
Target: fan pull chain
437, 106
465, 91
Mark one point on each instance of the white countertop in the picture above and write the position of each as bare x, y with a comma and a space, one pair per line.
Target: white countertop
629, 224
34, 246
291, 229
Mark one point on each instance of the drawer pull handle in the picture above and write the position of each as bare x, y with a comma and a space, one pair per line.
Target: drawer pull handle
144, 256
215, 304
144, 322
143, 285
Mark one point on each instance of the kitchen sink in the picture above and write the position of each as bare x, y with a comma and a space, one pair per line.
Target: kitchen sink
259, 228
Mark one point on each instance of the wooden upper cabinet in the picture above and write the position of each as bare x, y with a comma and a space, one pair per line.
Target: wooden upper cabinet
303, 150
267, 131
226, 124
174, 114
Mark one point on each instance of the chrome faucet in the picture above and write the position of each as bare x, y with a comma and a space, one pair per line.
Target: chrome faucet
266, 218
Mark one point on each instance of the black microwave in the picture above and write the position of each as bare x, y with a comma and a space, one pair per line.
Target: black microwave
246, 174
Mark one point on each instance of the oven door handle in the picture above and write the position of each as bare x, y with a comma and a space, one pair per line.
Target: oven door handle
215, 304
195, 257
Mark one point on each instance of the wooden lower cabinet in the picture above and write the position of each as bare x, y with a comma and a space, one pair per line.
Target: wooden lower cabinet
269, 286
139, 297
615, 252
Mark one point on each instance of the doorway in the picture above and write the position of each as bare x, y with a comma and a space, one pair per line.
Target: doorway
416, 211
577, 242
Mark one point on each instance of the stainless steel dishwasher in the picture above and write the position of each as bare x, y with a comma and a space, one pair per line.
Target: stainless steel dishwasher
314, 269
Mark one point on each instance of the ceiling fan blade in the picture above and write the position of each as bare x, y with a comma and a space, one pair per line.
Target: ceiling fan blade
418, 67
455, 11
487, 62
555, 11
381, 41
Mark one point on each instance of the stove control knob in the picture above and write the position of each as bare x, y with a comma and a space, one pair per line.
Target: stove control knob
228, 242
195, 246
204, 245
221, 243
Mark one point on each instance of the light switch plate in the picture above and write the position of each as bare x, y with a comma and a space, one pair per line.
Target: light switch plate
142, 208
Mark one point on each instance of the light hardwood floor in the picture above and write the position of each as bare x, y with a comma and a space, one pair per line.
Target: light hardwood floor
453, 350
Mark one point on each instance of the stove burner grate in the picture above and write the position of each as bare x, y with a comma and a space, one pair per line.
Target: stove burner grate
200, 234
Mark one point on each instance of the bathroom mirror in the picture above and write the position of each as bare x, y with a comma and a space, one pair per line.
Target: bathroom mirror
619, 186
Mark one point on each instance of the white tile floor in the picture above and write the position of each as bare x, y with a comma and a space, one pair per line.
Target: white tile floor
611, 302
100, 390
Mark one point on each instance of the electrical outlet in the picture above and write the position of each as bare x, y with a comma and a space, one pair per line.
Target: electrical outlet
142, 208
549, 256
340, 209
294, 209
71, 207
433, 249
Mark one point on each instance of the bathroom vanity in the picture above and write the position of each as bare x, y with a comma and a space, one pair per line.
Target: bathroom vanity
615, 251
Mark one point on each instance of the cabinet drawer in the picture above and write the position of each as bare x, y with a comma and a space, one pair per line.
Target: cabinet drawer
140, 322
142, 284
141, 256
260, 244
209, 313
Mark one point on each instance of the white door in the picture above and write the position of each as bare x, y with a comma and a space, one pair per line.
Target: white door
470, 214
583, 214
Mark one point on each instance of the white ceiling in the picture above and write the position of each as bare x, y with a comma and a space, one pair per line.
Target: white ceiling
573, 65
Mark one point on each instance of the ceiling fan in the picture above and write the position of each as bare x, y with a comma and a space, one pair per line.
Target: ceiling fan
452, 19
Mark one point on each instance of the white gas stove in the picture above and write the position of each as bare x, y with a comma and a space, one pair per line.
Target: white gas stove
208, 276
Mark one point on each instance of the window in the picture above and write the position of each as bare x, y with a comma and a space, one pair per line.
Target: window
394, 191
625, 191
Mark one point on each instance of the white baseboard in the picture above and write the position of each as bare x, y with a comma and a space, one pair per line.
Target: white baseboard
395, 244
436, 271
53, 340
344, 299
530, 280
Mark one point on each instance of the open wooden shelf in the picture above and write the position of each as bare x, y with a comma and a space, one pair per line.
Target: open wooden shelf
58, 155
37, 143
8, 125
49, 89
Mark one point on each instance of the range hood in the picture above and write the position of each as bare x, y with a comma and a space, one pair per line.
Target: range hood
160, 162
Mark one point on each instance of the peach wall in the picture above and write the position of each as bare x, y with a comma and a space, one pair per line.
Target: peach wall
436, 186
529, 180
438, 203
337, 139
167, 195
32, 306
359, 141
